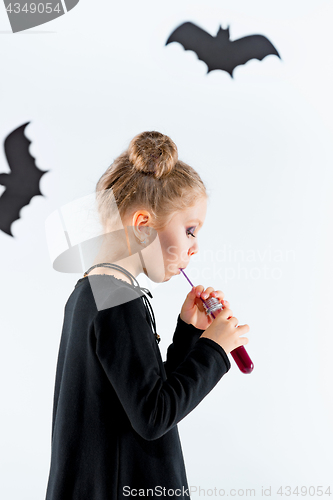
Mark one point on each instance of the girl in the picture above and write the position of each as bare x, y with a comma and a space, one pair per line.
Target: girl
116, 403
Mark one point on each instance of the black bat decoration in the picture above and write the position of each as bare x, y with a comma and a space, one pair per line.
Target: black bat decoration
220, 52
22, 183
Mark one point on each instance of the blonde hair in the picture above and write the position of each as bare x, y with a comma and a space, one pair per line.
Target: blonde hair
148, 175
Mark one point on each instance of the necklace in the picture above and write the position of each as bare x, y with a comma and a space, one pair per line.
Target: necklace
137, 287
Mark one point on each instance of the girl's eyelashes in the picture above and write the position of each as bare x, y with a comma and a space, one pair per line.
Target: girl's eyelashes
190, 231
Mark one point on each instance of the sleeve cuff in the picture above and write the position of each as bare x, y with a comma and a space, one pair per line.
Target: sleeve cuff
188, 326
218, 348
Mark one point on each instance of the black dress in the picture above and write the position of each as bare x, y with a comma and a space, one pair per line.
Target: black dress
117, 404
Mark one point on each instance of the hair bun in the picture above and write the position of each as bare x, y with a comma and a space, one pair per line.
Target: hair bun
153, 153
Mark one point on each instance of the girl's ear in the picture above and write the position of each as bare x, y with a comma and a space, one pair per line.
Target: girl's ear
141, 220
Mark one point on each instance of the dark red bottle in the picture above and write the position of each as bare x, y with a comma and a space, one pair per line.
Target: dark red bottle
241, 357
213, 307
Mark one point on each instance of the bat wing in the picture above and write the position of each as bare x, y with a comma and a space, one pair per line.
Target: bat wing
22, 183
10, 207
191, 37
249, 47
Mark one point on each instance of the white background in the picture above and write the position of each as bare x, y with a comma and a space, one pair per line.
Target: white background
262, 142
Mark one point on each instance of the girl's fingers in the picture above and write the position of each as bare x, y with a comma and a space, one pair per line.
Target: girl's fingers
206, 293
190, 297
218, 294
198, 290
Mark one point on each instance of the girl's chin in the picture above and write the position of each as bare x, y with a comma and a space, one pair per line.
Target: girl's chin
171, 275
158, 278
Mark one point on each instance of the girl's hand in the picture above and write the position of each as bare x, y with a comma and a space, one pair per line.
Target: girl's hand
193, 311
226, 331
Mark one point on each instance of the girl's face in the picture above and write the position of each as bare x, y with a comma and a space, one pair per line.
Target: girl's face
176, 243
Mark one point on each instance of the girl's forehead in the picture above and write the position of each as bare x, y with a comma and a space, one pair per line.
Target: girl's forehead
195, 213
199, 208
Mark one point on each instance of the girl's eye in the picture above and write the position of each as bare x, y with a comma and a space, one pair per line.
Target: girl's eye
190, 231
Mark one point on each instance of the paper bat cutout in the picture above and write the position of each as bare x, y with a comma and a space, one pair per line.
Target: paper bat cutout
220, 52
22, 183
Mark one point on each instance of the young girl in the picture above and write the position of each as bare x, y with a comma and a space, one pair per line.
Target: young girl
116, 403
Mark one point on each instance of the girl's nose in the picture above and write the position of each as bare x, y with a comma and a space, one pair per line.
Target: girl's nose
193, 249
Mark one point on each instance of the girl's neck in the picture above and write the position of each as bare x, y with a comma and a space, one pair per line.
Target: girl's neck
131, 264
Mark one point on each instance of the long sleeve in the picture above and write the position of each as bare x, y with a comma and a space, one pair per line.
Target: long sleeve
128, 353
183, 340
